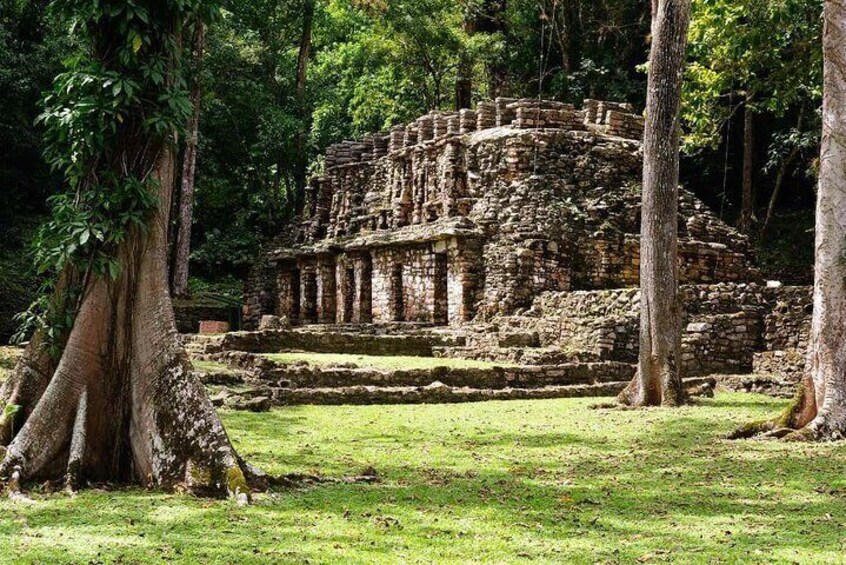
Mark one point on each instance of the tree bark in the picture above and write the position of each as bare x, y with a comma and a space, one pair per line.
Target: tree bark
747, 202
182, 244
122, 402
819, 409
301, 152
658, 380
464, 81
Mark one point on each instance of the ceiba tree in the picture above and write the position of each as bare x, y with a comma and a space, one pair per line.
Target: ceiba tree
104, 390
819, 409
658, 381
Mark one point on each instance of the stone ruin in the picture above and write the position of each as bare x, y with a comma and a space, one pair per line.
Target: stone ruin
510, 234
460, 216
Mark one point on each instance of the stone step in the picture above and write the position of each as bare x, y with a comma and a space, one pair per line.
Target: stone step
325, 340
517, 355
784, 363
262, 398
299, 375
769, 384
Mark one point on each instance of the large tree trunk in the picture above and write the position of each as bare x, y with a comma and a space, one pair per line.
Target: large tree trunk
301, 165
819, 410
182, 244
658, 381
747, 197
122, 402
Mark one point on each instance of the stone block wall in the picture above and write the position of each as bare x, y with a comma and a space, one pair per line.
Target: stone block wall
723, 324
536, 195
787, 323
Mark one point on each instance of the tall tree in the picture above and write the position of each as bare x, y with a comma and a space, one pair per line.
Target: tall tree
819, 409
464, 80
303, 55
658, 381
182, 243
747, 198
105, 390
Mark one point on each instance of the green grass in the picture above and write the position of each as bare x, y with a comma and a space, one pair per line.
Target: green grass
499, 482
376, 361
212, 367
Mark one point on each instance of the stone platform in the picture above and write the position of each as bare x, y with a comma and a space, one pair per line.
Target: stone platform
742, 336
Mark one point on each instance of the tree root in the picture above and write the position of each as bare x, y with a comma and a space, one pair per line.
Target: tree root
798, 420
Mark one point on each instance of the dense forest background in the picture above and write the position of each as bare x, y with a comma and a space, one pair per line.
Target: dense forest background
282, 79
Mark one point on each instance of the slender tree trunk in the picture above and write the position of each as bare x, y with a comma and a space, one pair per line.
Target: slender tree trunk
782, 174
182, 251
658, 381
747, 203
301, 155
491, 21
572, 41
819, 410
464, 81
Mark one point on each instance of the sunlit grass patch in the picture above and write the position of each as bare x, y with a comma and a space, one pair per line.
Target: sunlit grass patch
548, 481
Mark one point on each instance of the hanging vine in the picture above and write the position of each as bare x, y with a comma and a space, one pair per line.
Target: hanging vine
130, 81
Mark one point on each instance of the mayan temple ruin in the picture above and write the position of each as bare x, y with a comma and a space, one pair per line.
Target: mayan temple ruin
507, 234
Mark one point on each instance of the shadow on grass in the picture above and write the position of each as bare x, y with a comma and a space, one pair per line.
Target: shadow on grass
483, 483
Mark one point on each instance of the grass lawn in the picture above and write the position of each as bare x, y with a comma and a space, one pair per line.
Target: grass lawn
498, 482
387, 363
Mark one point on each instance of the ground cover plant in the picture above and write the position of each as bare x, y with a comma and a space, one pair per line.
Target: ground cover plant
536, 481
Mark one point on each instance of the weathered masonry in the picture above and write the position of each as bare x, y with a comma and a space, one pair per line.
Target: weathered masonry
466, 216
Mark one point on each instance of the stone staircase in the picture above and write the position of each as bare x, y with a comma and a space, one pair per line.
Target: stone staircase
245, 378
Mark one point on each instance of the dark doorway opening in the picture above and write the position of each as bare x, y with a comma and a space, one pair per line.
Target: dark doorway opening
310, 297
294, 304
441, 309
349, 295
397, 299
365, 291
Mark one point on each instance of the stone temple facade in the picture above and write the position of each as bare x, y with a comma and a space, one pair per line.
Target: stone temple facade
467, 216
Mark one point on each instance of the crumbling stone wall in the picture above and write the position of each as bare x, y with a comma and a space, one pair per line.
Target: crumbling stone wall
511, 200
722, 331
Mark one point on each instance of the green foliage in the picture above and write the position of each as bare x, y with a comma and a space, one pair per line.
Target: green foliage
767, 51
119, 103
32, 46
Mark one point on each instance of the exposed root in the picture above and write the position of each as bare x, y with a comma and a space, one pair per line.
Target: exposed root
77, 446
821, 428
799, 413
13, 487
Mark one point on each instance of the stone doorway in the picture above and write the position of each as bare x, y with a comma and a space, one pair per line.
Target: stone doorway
441, 288
349, 294
309, 305
294, 292
397, 298
365, 291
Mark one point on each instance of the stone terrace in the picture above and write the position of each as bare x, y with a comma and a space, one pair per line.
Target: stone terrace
464, 216
506, 235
